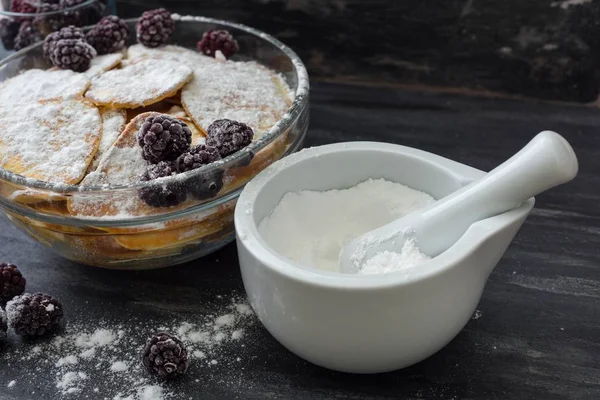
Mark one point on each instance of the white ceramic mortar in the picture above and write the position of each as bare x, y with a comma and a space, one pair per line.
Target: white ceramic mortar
366, 323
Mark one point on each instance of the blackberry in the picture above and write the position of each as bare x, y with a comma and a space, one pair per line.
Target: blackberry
163, 194
165, 355
3, 323
229, 136
12, 282
163, 138
209, 184
27, 35
8, 31
68, 32
217, 39
155, 27
34, 314
109, 35
73, 54
23, 6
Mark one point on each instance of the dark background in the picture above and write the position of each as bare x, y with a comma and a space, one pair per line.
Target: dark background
547, 49
470, 80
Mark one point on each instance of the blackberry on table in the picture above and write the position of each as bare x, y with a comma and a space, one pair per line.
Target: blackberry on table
8, 32
163, 138
163, 194
165, 355
218, 39
12, 282
68, 32
109, 35
155, 27
73, 54
27, 35
209, 184
33, 315
228, 136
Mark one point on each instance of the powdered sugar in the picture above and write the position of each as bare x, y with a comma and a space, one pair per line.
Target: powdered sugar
113, 123
103, 63
179, 54
138, 84
389, 261
37, 84
242, 91
312, 227
52, 141
97, 359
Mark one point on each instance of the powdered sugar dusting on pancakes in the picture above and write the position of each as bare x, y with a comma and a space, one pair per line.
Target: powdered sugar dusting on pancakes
37, 84
53, 141
113, 123
191, 58
138, 84
242, 91
103, 63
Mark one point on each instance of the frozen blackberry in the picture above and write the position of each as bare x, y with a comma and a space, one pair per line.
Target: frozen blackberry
228, 136
217, 39
27, 35
73, 54
12, 282
155, 27
109, 35
68, 32
163, 194
3, 323
165, 355
207, 185
23, 6
163, 138
34, 314
8, 31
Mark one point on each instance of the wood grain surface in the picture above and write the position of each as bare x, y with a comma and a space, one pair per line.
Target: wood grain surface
547, 49
537, 333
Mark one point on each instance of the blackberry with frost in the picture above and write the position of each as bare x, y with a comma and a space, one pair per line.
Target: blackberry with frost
163, 138
27, 35
228, 136
68, 32
163, 194
166, 356
218, 40
23, 6
9, 29
109, 35
155, 27
209, 184
12, 282
73, 54
34, 314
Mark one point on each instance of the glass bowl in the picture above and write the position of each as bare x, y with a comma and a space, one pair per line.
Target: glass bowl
88, 12
147, 237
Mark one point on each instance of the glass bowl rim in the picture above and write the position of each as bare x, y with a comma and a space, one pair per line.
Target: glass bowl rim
283, 124
86, 3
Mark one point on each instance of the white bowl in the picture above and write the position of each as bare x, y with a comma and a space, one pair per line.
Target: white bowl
366, 323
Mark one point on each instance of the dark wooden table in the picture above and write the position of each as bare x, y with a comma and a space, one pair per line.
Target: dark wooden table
538, 335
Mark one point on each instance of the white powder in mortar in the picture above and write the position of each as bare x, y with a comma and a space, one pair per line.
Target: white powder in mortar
312, 227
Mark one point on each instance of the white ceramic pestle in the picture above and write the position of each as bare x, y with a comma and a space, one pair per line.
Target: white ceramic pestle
548, 160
